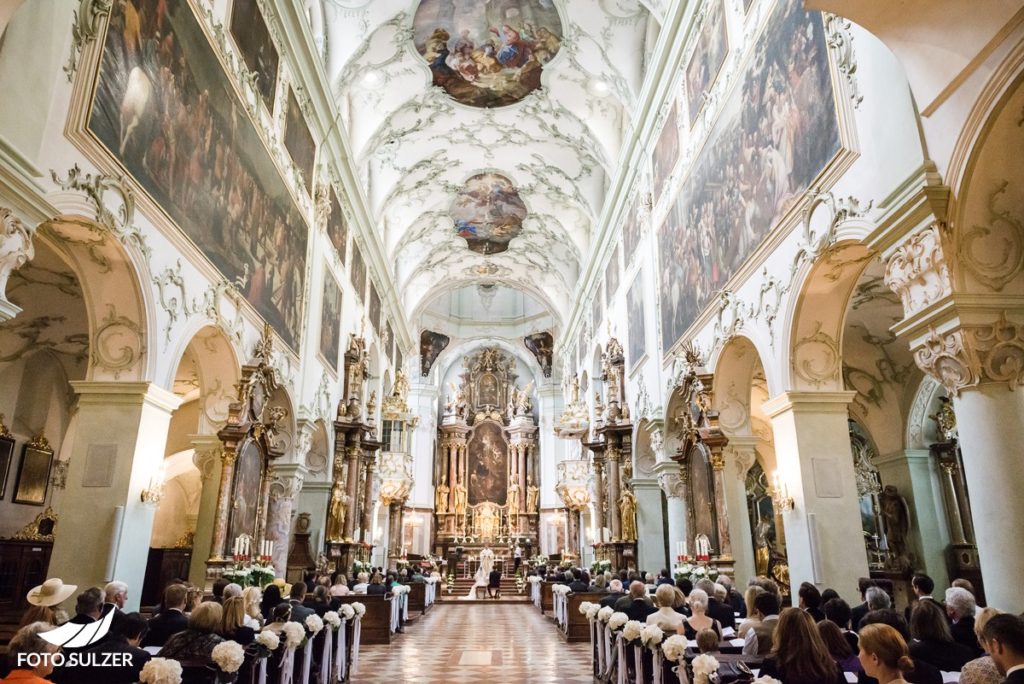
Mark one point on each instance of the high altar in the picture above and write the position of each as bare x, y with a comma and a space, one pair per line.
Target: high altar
487, 466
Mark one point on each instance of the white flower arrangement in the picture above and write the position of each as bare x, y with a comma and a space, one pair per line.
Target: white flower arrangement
651, 635
765, 679
631, 630
592, 611
314, 624
268, 640
399, 589
161, 671
585, 607
346, 611
605, 613
533, 579
333, 619
674, 647
294, 634
229, 656
617, 620
359, 608
704, 666
560, 589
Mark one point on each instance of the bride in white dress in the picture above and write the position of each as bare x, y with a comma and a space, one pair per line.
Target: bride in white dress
483, 573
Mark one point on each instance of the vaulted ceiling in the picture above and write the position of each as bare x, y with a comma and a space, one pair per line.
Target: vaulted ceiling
415, 146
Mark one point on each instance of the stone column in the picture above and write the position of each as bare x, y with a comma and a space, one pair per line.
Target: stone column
599, 502
614, 524
672, 480
117, 449
352, 492
815, 463
446, 449
957, 529
285, 484
739, 457
223, 514
207, 459
395, 509
573, 538
367, 520
15, 249
724, 537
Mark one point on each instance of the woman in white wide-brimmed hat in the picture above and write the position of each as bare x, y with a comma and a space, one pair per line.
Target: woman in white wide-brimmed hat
45, 600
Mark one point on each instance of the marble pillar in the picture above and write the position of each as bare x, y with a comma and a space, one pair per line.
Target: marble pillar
599, 502
118, 447
815, 463
223, 514
285, 483
207, 459
352, 491
672, 480
612, 467
650, 523
366, 534
721, 508
739, 457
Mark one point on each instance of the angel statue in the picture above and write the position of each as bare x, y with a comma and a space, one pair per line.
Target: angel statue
523, 403
401, 386
456, 405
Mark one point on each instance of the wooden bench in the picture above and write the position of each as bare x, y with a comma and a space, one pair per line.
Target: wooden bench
418, 597
577, 626
547, 601
376, 627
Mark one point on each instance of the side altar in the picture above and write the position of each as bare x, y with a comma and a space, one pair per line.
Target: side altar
487, 466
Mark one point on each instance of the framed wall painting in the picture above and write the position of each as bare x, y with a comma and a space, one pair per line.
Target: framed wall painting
249, 31
337, 228
299, 141
6, 456
33, 472
707, 60
330, 321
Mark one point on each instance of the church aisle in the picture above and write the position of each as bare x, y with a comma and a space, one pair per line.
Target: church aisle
475, 643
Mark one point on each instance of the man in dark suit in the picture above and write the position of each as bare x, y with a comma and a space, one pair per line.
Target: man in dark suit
120, 652
633, 593
295, 597
810, 601
218, 589
638, 606
614, 593
88, 609
960, 607
922, 586
1003, 637
717, 610
171, 619
857, 613
319, 602
494, 584
577, 584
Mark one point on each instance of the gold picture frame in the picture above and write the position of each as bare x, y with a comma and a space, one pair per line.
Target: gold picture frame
33, 480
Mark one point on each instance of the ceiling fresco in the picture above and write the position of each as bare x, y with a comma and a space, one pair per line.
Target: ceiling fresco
488, 213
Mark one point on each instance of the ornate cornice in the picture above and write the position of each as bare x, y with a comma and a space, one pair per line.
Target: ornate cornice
974, 355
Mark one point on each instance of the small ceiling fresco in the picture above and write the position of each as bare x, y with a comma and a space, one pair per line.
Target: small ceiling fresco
488, 212
490, 53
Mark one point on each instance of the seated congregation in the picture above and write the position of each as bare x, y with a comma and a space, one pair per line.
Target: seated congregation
665, 629
301, 633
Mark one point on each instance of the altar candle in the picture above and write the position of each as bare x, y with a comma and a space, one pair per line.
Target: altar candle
684, 547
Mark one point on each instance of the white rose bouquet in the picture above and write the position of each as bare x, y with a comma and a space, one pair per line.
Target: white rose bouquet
229, 656
605, 613
704, 666
333, 619
359, 608
294, 634
617, 620
585, 607
346, 611
314, 624
674, 647
651, 635
269, 641
161, 671
631, 630
592, 611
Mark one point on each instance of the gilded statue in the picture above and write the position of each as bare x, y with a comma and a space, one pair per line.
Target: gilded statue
763, 552
441, 498
461, 497
371, 406
627, 514
532, 496
513, 500
336, 520
945, 419
896, 517
401, 386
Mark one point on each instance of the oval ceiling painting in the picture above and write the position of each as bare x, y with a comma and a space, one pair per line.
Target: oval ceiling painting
487, 53
488, 212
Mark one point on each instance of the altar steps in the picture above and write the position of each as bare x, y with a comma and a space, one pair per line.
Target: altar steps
462, 586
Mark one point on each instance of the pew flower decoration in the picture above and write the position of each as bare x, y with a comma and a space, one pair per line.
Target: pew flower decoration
269, 641
651, 635
450, 584
533, 579
228, 655
314, 624
585, 607
674, 647
333, 620
161, 671
617, 620
631, 630
346, 611
294, 634
592, 611
704, 666
605, 613
359, 608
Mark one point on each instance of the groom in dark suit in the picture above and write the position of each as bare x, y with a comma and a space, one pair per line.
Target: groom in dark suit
494, 584
1003, 638
296, 598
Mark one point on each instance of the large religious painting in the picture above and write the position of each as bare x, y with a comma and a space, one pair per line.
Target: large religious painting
707, 59
357, 272
542, 346
637, 335
166, 110
630, 234
596, 309
666, 151
330, 321
299, 141
487, 54
249, 30
431, 345
488, 212
487, 464
611, 277
245, 499
774, 136
337, 229
374, 310
487, 391
389, 339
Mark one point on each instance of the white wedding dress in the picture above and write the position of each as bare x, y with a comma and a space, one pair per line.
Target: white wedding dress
482, 575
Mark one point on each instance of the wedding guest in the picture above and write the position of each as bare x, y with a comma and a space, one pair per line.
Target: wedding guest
838, 646
933, 642
340, 586
88, 606
749, 595
218, 589
981, 670
883, 654
230, 591
295, 597
810, 601
960, 609
376, 586
271, 600
665, 616
232, 625
699, 618
665, 577
922, 673
636, 603
193, 598
116, 594
798, 654
707, 641
170, 620
362, 582
716, 609
280, 615
195, 644
26, 642
120, 651
684, 585
858, 612
1004, 640
614, 593
251, 598
599, 584
733, 597
761, 634
827, 595
577, 584
966, 584
45, 600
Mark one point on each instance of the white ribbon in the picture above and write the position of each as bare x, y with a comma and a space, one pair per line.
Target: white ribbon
357, 631
339, 654
609, 661
657, 662
620, 648
405, 606
261, 678
287, 666
681, 672
638, 661
325, 657
602, 659
535, 593
307, 659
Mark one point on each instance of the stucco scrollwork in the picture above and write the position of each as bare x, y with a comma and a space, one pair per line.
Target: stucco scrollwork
672, 484
15, 247
85, 27
120, 220
117, 345
918, 271
994, 253
974, 355
816, 357
840, 41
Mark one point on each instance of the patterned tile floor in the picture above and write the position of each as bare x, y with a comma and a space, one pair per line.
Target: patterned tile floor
475, 644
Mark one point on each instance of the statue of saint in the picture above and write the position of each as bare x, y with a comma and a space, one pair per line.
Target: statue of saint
896, 517
336, 520
522, 397
441, 498
763, 553
532, 496
401, 386
460, 498
627, 514
513, 500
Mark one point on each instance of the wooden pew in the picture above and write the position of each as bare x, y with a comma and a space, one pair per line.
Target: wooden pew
547, 601
377, 620
577, 625
417, 598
